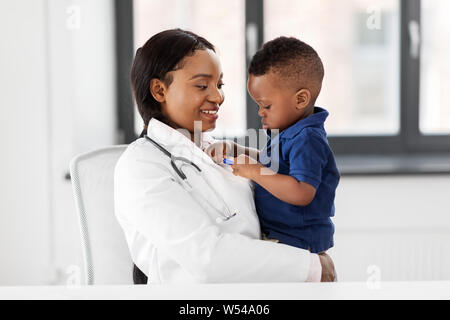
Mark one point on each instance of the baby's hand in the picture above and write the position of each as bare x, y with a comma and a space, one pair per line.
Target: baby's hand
246, 167
219, 150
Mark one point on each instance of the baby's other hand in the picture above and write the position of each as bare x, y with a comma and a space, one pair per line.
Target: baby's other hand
246, 167
219, 150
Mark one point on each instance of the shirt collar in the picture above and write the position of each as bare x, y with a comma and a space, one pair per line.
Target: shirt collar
317, 119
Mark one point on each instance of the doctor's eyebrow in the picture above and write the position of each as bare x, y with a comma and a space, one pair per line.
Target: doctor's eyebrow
204, 75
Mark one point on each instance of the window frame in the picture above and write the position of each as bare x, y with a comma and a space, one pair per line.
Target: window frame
415, 141
408, 141
125, 107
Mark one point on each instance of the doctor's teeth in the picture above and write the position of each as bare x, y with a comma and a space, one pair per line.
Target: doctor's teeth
209, 112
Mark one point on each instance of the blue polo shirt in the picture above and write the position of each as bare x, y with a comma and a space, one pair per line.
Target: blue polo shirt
300, 151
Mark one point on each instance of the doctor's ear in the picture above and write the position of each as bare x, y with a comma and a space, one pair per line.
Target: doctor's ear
158, 90
302, 99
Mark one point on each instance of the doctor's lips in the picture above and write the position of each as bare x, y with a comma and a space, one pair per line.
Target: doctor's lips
210, 113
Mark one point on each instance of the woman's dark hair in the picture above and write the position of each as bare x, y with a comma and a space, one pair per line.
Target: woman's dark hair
164, 52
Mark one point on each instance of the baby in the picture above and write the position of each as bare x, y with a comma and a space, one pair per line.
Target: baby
296, 203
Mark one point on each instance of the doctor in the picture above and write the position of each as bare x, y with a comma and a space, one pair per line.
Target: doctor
185, 218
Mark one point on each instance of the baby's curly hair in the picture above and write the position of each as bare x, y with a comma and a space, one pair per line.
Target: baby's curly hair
293, 61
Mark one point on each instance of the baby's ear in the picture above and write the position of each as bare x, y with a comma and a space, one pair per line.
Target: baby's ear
302, 99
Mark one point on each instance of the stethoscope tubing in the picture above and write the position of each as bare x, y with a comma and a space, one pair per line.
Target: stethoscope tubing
181, 174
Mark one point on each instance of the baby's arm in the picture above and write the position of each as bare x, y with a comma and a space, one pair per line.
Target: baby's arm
284, 187
287, 188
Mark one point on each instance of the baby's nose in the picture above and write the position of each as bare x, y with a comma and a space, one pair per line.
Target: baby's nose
261, 112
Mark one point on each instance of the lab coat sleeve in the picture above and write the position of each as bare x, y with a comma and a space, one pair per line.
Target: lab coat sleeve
179, 227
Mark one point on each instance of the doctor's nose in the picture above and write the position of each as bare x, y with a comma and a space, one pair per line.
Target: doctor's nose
217, 96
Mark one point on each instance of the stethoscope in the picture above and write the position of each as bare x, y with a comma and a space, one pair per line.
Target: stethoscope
187, 185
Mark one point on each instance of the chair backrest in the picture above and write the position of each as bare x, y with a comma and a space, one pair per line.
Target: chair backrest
105, 250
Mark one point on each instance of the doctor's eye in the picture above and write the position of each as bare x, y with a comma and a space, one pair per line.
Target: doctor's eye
202, 87
220, 85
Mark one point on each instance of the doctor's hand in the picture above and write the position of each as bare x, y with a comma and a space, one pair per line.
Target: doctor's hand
219, 150
246, 167
328, 270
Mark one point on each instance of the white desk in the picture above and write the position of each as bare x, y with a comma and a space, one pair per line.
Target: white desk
278, 291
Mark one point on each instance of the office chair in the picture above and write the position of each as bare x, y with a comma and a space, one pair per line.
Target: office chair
105, 251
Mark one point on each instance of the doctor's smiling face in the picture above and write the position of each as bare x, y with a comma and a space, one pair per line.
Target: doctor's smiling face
195, 91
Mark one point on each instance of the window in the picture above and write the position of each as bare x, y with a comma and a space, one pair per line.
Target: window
224, 28
358, 41
435, 68
387, 82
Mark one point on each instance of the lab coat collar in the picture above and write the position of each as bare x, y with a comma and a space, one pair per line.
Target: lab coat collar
175, 140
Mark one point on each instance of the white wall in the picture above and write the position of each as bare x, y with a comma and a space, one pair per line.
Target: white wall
83, 98
24, 135
58, 98
57, 79
400, 225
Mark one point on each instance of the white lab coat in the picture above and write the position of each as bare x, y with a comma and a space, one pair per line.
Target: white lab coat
174, 237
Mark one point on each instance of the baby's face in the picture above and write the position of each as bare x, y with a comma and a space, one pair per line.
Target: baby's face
276, 101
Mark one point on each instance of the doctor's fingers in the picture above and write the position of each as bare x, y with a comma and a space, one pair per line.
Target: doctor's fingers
215, 156
218, 148
328, 269
210, 150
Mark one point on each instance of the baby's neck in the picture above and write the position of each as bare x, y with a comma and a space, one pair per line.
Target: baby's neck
307, 113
